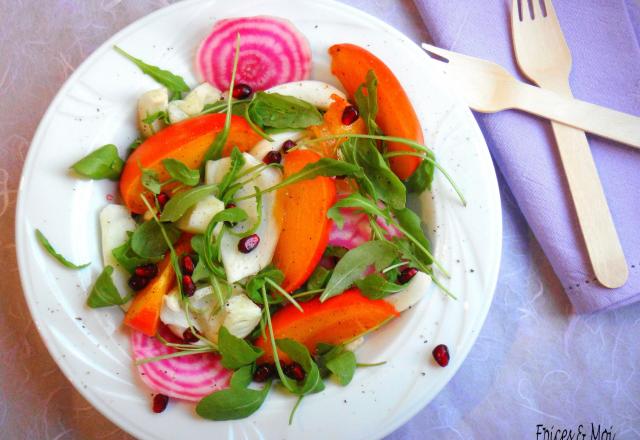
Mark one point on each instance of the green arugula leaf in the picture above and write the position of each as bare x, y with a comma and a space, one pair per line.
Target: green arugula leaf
242, 377
386, 185
354, 263
128, 259
174, 83
297, 352
150, 180
375, 286
255, 284
104, 293
134, 144
162, 115
181, 173
368, 104
354, 200
281, 111
319, 278
51, 251
422, 177
181, 202
231, 215
103, 163
232, 404
236, 163
236, 352
147, 240
411, 223
343, 366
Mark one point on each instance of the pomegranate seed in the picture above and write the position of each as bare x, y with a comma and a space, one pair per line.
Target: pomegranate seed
137, 282
230, 205
189, 337
163, 198
149, 270
241, 91
187, 264
329, 262
264, 372
188, 286
349, 115
441, 355
406, 275
294, 371
272, 157
160, 402
247, 244
288, 145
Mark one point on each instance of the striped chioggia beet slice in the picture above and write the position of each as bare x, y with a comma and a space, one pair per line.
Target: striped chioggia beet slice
272, 52
189, 377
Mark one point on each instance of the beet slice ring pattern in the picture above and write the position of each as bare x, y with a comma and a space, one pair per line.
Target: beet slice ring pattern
272, 52
190, 377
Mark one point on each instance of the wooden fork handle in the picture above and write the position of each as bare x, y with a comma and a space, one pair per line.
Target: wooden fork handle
602, 121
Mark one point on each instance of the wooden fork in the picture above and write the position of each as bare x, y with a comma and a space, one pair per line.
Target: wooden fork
543, 56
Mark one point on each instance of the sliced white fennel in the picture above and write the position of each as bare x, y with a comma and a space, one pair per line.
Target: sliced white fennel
317, 93
416, 289
197, 218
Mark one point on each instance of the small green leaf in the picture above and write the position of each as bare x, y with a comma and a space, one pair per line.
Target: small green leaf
103, 163
232, 404
297, 352
236, 163
150, 180
386, 185
178, 205
162, 115
368, 103
258, 281
147, 240
422, 177
343, 366
318, 278
236, 352
281, 111
353, 265
242, 377
174, 83
128, 259
412, 225
180, 172
375, 286
231, 215
51, 251
354, 200
104, 293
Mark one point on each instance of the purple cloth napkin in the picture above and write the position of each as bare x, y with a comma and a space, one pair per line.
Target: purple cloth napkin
603, 38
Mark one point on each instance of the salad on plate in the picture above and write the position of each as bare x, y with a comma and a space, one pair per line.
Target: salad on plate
262, 229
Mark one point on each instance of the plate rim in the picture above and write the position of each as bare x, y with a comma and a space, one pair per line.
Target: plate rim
21, 233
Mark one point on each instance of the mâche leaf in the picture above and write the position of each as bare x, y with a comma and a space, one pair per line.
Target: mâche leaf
103, 163
128, 259
233, 403
51, 251
297, 352
236, 352
147, 240
343, 366
150, 180
386, 185
174, 83
181, 202
375, 286
104, 293
242, 377
354, 263
181, 173
258, 281
281, 111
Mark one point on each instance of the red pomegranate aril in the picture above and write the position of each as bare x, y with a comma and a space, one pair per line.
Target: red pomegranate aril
287, 145
294, 371
441, 355
137, 282
162, 198
406, 275
188, 337
188, 286
160, 402
187, 264
272, 157
148, 270
349, 115
329, 261
247, 244
230, 205
241, 91
264, 372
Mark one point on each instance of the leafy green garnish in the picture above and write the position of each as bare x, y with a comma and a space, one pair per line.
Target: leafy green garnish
150, 180
174, 83
236, 352
281, 111
103, 163
159, 115
354, 200
242, 377
147, 241
257, 282
368, 103
233, 403
343, 366
231, 215
181, 173
104, 293
181, 202
375, 286
51, 251
319, 278
354, 263
411, 224
236, 163
297, 352
422, 177
127, 258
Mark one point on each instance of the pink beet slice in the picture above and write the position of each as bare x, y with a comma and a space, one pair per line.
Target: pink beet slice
189, 377
272, 52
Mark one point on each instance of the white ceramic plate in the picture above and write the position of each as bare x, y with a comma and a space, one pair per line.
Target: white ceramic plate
96, 106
